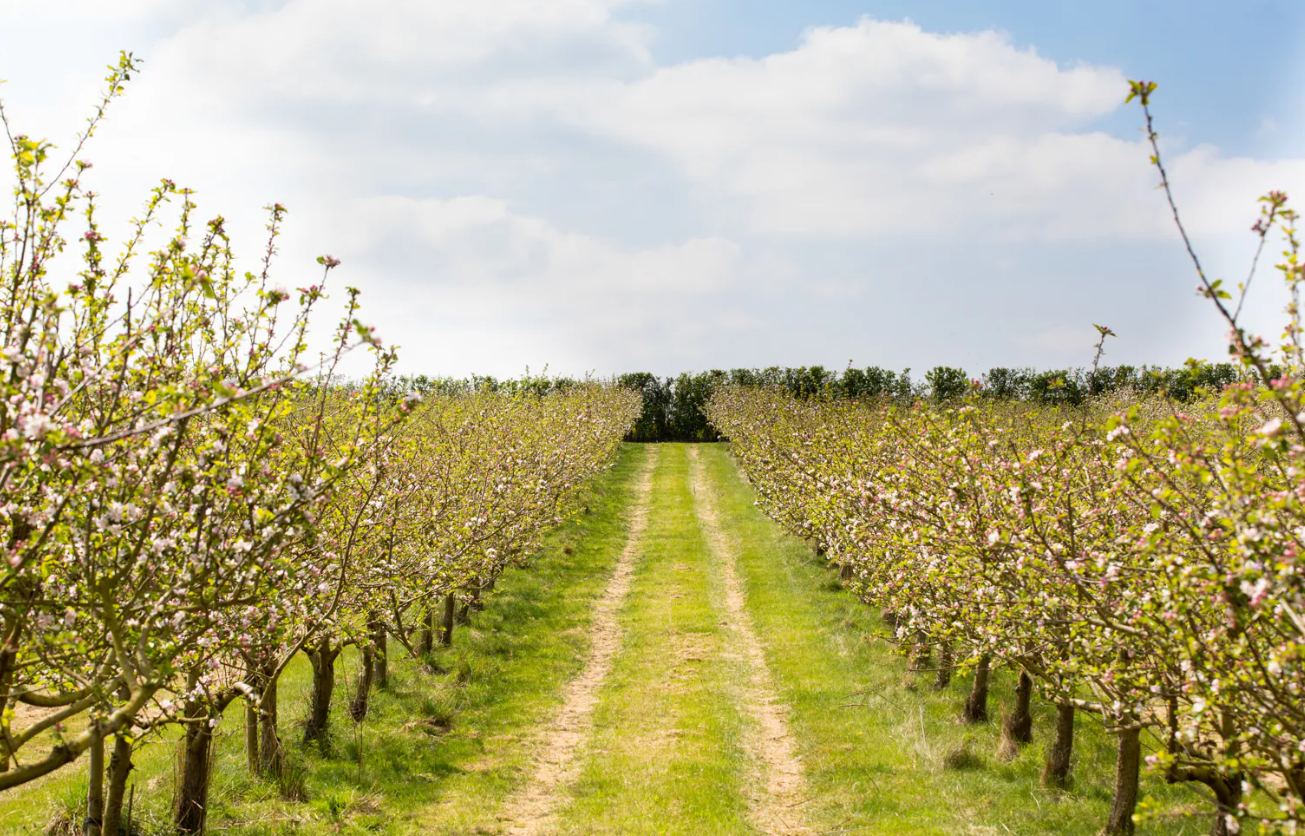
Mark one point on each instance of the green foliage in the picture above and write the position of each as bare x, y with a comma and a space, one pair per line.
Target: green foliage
947, 384
653, 423
673, 406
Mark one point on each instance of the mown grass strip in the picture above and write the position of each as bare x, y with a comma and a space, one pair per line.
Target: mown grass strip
874, 751
666, 754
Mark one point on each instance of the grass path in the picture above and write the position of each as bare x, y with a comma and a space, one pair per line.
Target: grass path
670, 663
667, 755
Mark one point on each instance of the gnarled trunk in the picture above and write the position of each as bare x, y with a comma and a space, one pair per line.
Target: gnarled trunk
322, 657
945, 663
921, 659
94, 821
251, 735
120, 767
1127, 762
1018, 725
425, 636
195, 763
1056, 771
1227, 797
7, 653
450, 609
380, 653
976, 704
271, 755
363, 688
472, 603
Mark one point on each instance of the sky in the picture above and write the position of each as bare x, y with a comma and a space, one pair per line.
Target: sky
616, 185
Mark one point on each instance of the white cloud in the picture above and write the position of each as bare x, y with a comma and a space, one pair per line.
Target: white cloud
884, 129
405, 53
516, 181
507, 282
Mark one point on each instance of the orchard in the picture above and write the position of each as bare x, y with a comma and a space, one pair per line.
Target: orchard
190, 500
1133, 559
216, 541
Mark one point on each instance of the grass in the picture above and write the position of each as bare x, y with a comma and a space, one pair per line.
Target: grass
666, 756
504, 677
884, 760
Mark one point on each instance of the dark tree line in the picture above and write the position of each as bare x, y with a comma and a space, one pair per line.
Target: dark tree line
672, 406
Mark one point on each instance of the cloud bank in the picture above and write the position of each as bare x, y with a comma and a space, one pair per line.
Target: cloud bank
520, 182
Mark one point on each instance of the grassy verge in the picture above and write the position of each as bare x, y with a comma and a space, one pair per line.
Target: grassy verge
665, 755
395, 773
874, 751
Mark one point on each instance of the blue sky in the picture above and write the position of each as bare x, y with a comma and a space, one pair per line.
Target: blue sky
1225, 65
608, 185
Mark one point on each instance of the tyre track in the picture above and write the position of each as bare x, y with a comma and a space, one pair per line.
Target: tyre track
779, 790
531, 810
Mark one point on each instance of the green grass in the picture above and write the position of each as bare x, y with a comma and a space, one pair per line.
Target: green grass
874, 751
666, 756
504, 678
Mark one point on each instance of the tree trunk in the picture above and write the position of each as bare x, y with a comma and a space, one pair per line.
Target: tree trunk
976, 704
120, 767
380, 657
425, 637
1295, 777
12, 626
450, 609
94, 822
1056, 772
358, 705
1018, 725
1227, 795
945, 662
251, 735
473, 603
319, 717
845, 573
270, 753
7, 653
190, 807
1127, 763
